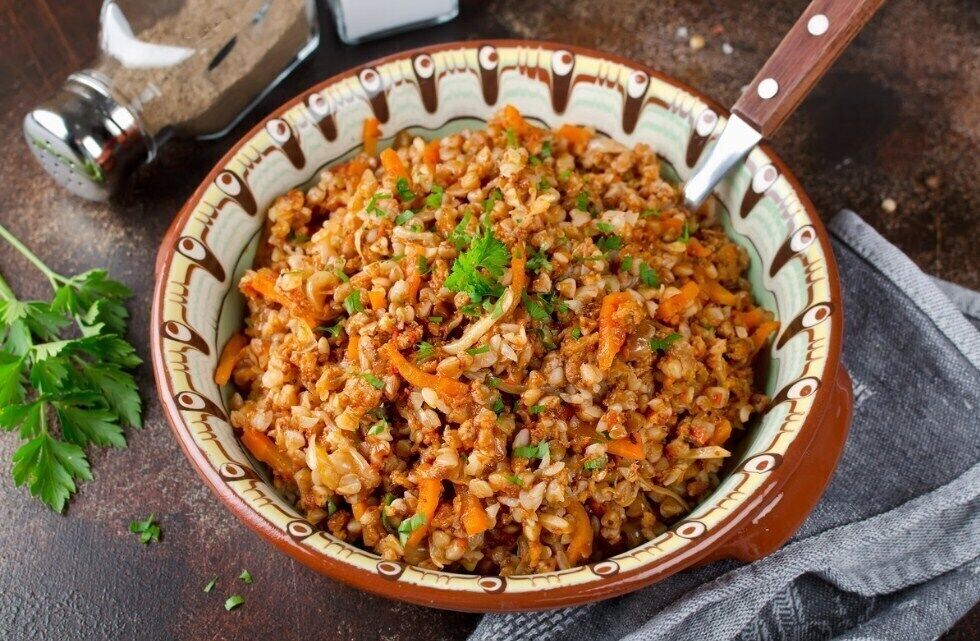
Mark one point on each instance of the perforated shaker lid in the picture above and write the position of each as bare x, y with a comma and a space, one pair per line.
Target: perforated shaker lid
85, 139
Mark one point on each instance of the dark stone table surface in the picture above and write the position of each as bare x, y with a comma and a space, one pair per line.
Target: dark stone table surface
898, 117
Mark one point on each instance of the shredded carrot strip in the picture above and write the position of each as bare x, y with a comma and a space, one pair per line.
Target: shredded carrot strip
429, 491
514, 119
377, 298
371, 132
762, 332
414, 276
358, 508
475, 518
580, 547
671, 224
264, 284
612, 327
518, 275
695, 248
577, 136
750, 319
230, 356
430, 155
420, 378
354, 349
264, 449
393, 164
354, 168
718, 294
626, 448
722, 431
677, 303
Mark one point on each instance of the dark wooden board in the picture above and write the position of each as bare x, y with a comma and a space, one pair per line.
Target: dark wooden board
900, 105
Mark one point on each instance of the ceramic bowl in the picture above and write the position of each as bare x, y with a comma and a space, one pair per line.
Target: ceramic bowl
783, 463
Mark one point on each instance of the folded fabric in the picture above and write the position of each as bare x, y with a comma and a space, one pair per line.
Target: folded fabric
892, 551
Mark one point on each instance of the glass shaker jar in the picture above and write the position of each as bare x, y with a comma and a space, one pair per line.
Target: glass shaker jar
186, 68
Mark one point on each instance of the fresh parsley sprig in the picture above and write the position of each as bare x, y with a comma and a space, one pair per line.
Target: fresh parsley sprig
62, 389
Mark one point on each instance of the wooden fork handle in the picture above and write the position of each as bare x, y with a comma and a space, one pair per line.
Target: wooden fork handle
811, 46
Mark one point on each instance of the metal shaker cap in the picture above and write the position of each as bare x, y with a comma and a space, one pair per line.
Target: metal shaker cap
85, 139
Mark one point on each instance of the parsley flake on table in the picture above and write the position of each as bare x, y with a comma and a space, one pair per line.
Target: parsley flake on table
63, 394
477, 271
246, 577
210, 585
234, 601
147, 529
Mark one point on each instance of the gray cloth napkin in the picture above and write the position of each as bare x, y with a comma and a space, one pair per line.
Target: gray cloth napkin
892, 551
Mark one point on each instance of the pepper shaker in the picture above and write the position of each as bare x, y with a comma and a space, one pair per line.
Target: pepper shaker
186, 68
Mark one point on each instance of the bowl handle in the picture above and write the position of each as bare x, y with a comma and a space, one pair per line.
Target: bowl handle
783, 515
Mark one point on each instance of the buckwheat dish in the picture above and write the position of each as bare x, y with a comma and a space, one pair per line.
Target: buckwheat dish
506, 351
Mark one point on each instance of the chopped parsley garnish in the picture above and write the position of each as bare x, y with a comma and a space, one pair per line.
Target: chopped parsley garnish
610, 243
535, 308
474, 351
685, 234
546, 149
404, 190
423, 264
404, 217
210, 585
342, 276
298, 238
246, 577
372, 207
425, 351
544, 185
661, 344
434, 199
409, 525
385, 521
582, 201
435, 319
532, 451
536, 409
331, 508
477, 270
375, 382
147, 529
459, 237
565, 175
353, 302
493, 382
595, 464
511, 137
535, 161
577, 333
515, 479
234, 601
626, 263
604, 227
378, 428
488, 204
334, 331
649, 276
538, 261
498, 406
650, 213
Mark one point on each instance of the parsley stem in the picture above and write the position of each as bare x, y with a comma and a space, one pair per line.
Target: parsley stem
55, 279
5, 292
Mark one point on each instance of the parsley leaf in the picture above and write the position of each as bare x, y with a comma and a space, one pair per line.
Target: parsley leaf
498, 406
425, 352
404, 190
477, 270
511, 137
423, 265
595, 464
604, 227
459, 237
516, 480
538, 261
334, 330
577, 333
649, 276
582, 201
535, 308
650, 213
626, 263
661, 344
536, 409
546, 149
342, 276
378, 428
532, 451
147, 529
685, 234
607, 244
49, 468
474, 351
246, 577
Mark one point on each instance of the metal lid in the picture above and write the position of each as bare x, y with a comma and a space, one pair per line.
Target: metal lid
85, 139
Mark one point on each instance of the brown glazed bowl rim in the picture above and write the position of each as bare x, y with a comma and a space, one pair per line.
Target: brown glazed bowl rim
717, 543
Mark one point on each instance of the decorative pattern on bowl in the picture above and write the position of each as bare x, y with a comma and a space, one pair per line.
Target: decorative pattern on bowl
433, 92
